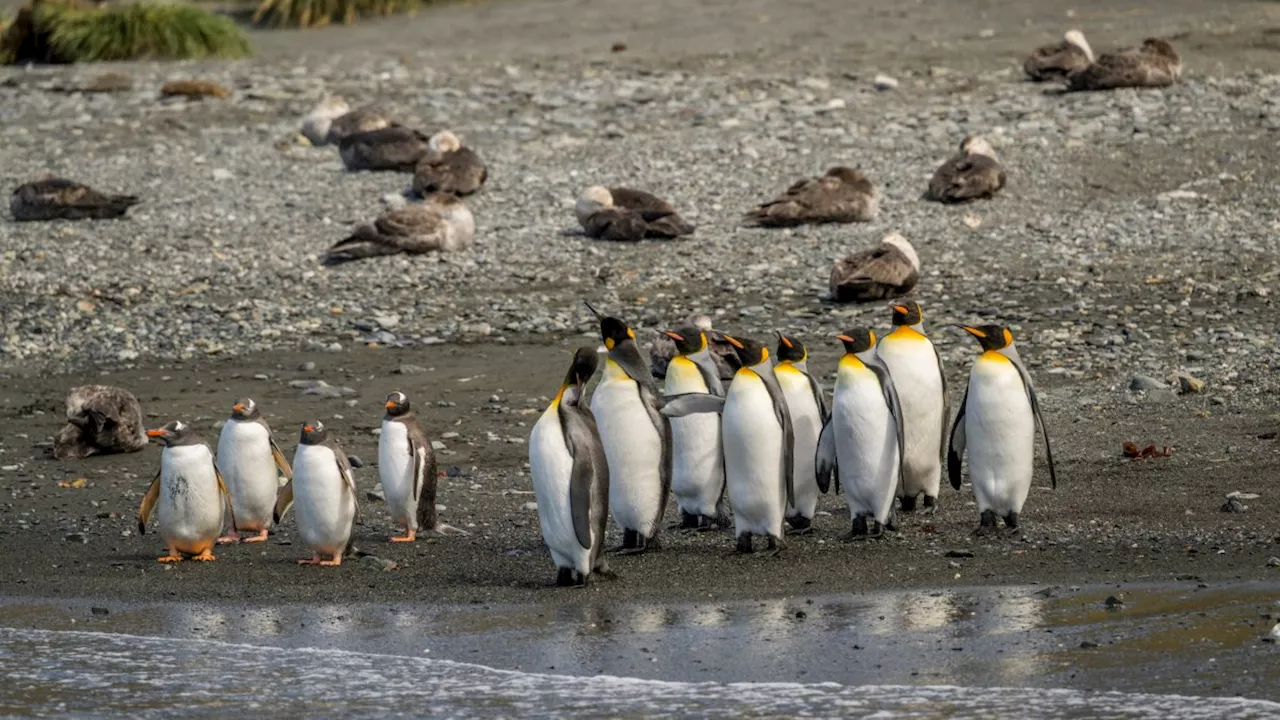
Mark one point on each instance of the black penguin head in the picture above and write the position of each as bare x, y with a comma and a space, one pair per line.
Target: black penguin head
907, 313
990, 337
749, 351
688, 339
857, 340
585, 362
313, 433
789, 348
397, 404
245, 409
175, 432
614, 332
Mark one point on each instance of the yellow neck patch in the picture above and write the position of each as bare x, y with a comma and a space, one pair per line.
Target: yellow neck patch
906, 332
994, 356
851, 361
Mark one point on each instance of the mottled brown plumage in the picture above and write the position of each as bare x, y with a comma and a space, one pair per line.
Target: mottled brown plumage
448, 167
725, 355
54, 198
442, 222
626, 215
889, 270
394, 148
1155, 64
1054, 62
974, 173
842, 195
101, 420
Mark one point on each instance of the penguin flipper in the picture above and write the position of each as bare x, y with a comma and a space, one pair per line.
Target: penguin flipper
825, 463
282, 463
946, 401
895, 411
222, 488
344, 469
1035, 408
955, 449
283, 502
148, 504
692, 404
581, 479
819, 397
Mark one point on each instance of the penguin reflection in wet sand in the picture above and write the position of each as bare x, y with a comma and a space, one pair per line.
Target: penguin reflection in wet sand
636, 437
697, 467
997, 425
808, 410
571, 478
408, 471
861, 443
325, 493
187, 495
251, 463
916, 369
759, 444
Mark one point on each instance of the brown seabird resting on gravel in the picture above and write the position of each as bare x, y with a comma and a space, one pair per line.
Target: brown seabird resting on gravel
394, 148
887, 271
101, 420
1155, 64
332, 120
448, 167
974, 173
441, 222
625, 215
54, 198
1055, 62
663, 348
843, 195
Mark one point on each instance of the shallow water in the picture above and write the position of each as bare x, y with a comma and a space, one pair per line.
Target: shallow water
996, 652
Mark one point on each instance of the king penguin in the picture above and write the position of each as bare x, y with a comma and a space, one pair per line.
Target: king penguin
808, 410
636, 437
759, 444
325, 494
697, 464
408, 472
997, 425
861, 443
187, 495
916, 369
571, 478
251, 463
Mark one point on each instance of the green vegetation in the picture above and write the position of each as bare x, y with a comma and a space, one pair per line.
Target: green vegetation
318, 13
70, 31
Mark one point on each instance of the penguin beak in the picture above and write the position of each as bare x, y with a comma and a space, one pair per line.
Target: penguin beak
238, 407
673, 335
973, 331
732, 341
307, 429
157, 433
390, 404
593, 310
903, 309
785, 340
844, 338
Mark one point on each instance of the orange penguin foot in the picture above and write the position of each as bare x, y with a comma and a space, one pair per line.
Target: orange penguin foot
409, 536
172, 557
313, 560
229, 538
337, 560
260, 537
204, 556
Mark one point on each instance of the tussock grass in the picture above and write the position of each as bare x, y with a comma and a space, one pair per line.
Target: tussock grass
318, 13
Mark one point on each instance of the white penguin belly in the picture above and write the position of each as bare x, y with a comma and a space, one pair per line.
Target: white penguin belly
697, 473
914, 367
633, 449
249, 469
753, 457
395, 469
1000, 436
551, 466
806, 422
866, 443
190, 508
323, 505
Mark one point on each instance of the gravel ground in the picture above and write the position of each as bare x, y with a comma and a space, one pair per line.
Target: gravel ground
1136, 239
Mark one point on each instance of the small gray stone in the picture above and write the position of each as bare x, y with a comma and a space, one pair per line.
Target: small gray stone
376, 494
1273, 562
307, 366
410, 369
1161, 396
1234, 506
1188, 384
355, 461
76, 537
529, 506
1146, 382
884, 82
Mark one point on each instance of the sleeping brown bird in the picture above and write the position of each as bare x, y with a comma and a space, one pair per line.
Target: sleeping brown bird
843, 195
974, 173
448, 167
625, 215
887, 271
1055, 62
54, 198
1155, 64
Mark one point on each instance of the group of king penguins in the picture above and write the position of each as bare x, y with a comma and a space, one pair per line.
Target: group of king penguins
769, 442
250, 481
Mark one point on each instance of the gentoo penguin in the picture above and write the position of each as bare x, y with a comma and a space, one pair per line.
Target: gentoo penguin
251, 463
571, 478
187, 495
997, 425
55, 198
325, 493
1155, 64
808, 410
635, 435
393, 148
1054, 62
448, 167
974, 173
723, 354
843, 195
889, 270
625, 215
101, 420
916, 369
697, 464
408, 471
861, 443
441, 222
759, 444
